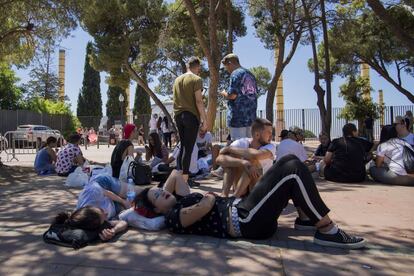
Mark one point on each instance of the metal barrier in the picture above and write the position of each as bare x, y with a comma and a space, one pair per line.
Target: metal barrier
21, 142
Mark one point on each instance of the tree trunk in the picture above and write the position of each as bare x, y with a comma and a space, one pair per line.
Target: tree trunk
393, 24
229, 27
271, 91
328, 78
133, 74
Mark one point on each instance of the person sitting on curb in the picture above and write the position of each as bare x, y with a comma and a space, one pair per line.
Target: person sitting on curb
123, 149
246, 159
389, 165
345, 160
70, 156
45, 160
253, 216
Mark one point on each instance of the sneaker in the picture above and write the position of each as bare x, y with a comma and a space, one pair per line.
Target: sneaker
218, 173
192, 183
304, 225
340, 240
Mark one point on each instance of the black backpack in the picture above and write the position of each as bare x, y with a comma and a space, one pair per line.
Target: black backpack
140, 173
61, 234
408, 159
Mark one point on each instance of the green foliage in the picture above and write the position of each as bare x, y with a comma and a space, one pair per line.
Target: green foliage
263, 78
26, 24
357, 107
113, 105
142, 108
306, 133
10, 94
89, 99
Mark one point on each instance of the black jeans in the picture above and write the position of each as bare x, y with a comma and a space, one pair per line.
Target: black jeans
187, 124
167, 139
287, 179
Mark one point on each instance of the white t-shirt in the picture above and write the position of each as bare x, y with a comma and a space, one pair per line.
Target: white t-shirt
244, 143
409, 139
93, 195
153, 123
392, 151
203, 142
288, 146
194, 155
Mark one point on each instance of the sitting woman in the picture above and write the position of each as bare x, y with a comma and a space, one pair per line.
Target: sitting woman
346, 157
254, 216
46, 158
70, 156
123, 149
389, 165
157, 151
92, 219
323, 147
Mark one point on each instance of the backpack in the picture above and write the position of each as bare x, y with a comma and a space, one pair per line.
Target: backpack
408, 159
140, 173
61, 234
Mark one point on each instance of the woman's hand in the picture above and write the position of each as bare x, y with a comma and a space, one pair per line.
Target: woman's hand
107, 234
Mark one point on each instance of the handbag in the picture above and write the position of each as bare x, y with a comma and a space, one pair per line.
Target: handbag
140, 173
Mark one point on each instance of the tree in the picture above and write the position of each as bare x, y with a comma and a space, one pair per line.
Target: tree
89, 100
211, 36
263, 78
142, 108
360, 37
358, 106
25, 25
10, 94
44, 82
277, 24
125, 33
113, 105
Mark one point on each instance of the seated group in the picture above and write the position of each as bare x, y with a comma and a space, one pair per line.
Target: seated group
263, 181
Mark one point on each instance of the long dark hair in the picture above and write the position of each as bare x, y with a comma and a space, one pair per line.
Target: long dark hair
388, 132
156, 148
87, 218
143, 206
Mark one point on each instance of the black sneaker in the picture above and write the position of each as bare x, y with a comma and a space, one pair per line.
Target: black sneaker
192, 183
340, 240
304, 225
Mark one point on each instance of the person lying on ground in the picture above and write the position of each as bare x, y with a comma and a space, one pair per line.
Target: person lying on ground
246, 159
290, 145
346, 157
45, 160
92, 219
106, 193
70, 156
123, 149
389, 163
253, 216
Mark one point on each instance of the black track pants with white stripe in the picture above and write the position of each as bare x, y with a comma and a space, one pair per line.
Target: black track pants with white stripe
288, 179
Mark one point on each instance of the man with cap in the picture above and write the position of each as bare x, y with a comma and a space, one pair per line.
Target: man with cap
241, 98
402, 126
123, 148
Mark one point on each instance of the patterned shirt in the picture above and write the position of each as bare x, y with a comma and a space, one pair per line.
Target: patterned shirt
65, 158
242, 110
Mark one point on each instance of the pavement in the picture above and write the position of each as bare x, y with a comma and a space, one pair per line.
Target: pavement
382, 214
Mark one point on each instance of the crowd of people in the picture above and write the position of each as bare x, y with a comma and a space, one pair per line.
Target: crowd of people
259, 178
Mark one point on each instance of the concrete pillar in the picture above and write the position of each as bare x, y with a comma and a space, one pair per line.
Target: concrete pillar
365, 74
381, 104
61, 74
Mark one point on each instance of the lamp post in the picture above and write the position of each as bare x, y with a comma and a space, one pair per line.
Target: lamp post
121, 101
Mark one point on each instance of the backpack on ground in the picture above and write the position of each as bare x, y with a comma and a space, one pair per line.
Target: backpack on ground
140, 173
408, 159
61, 234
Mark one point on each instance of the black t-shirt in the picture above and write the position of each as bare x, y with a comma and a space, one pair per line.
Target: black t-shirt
214, 223
321, 150
116, 158
348, 162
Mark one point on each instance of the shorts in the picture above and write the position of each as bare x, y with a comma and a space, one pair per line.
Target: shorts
108, 183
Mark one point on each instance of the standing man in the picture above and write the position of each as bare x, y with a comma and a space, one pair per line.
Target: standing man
241, 98
189, 113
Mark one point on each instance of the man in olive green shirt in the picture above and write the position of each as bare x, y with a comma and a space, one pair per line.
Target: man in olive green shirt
189, 112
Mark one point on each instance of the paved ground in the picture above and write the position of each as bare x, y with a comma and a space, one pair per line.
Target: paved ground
382, 214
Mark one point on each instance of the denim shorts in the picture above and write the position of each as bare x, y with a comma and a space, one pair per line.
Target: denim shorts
108, 183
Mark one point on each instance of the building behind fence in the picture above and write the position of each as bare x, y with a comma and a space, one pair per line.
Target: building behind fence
307, 119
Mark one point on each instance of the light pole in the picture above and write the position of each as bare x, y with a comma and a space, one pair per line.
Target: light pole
121, 101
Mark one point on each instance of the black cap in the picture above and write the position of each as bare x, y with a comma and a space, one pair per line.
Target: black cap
284, 133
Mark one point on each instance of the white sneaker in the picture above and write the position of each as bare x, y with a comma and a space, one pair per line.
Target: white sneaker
218, 173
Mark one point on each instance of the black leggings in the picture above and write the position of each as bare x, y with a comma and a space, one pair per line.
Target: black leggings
187, 124
287, 179
167, 139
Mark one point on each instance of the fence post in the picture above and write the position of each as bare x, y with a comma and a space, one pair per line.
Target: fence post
391, 114
303, 119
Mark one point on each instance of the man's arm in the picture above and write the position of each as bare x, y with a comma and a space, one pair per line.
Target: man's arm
228, 161
116, 198
328, 158
228, 96
200, 108
249, 153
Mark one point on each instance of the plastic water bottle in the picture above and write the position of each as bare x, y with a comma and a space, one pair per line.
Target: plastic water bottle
131, 190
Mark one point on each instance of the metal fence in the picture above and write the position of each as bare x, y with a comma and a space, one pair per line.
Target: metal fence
10, 119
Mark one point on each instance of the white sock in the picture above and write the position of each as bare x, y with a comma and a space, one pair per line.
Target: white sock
333, 230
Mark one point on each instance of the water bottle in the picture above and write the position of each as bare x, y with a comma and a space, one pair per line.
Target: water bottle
131, 190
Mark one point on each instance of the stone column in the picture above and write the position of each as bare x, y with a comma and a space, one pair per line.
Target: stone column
365, 74
61, 75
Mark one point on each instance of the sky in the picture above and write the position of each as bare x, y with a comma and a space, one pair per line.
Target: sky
297, 79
